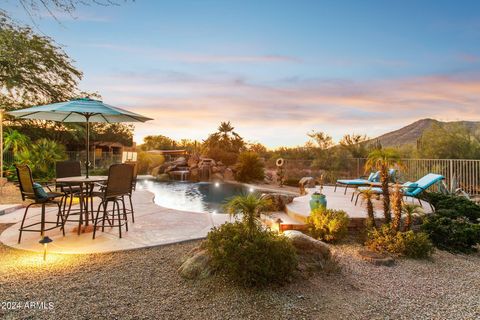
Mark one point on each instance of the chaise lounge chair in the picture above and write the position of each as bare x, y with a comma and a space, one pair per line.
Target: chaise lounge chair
354, 183
361, 182
412, 189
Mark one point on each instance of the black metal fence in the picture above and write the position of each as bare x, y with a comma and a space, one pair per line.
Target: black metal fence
458, 173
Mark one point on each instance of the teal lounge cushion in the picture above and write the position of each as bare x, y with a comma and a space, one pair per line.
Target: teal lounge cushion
354, 182
39, 191
374, 190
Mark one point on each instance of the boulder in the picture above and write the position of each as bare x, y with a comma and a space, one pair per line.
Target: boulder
163, 177
307, 182
215, 169
228, 175
194, 174
180, 161
170, 168
196, 267
308, 245
193, 161
155, 171
279, 200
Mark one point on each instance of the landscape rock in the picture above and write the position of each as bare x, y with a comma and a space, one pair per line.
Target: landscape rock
308, 245
155, 171
228, 174
163, 177
180, 161
376, 258
193, 161
196, 267
279, 200
194, 174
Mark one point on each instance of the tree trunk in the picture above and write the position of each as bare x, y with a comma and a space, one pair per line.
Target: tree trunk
386, 195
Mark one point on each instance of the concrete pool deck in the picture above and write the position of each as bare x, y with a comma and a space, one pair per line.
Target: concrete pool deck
300, 207
154, 225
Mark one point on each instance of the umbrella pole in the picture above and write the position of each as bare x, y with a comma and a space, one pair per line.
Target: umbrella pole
88, 144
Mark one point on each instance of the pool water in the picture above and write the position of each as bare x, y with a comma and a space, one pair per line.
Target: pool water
190, 196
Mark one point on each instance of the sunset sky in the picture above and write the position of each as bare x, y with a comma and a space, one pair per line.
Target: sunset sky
277, 69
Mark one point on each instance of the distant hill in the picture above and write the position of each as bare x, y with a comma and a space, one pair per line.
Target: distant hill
411, 133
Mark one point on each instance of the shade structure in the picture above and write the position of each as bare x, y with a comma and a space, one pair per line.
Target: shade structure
80, 110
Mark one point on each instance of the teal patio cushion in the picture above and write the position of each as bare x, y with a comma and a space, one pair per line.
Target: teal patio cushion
39, 191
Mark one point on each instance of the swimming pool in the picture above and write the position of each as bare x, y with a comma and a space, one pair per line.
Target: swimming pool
190, 196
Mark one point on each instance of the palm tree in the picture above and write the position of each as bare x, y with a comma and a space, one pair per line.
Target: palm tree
383, 160
410, 209
15, 141
397, 207
367, 195
251, 206
225, 128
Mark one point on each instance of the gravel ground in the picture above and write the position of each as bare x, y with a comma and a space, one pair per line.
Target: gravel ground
10, 193
144, 284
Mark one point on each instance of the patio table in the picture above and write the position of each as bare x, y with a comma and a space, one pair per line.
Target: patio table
86, 186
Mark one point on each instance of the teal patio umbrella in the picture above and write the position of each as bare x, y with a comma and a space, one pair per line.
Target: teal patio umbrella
80, 110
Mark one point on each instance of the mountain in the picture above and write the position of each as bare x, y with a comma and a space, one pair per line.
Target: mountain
411, 133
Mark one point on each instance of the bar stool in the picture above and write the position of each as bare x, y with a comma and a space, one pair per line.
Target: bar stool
34, 191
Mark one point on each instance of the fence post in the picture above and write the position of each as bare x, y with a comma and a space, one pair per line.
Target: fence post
451, 176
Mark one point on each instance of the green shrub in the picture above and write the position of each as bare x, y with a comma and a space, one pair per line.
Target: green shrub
41, 157
328, 225
451, 232
249, 167
409, 243
251, 259
462, 206
417, 245
147, 161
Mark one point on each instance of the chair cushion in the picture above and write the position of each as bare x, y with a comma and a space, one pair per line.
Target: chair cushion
375, 177
374, 190
39, 191
354, 182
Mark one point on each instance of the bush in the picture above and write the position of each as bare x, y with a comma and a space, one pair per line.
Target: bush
249, 167
409, 243
460, 205
328, 225
147, 161
41, 157
252, 259
417, 245
450, 232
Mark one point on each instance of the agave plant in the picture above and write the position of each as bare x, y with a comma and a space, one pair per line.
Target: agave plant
383, 160
409, 209
251, 206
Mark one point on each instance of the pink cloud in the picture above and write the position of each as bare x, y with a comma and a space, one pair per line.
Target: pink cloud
282, 112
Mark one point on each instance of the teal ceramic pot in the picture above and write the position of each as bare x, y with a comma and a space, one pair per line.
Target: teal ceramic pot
317, 201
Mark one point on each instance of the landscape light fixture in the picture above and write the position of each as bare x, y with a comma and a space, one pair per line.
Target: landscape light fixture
45, 241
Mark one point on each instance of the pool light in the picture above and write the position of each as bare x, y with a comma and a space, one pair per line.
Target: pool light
217, 184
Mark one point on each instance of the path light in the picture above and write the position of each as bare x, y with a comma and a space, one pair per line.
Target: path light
45, 241
279, 224
251, 190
